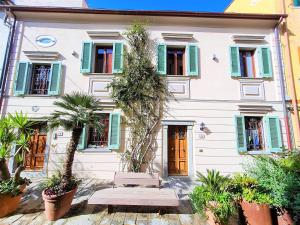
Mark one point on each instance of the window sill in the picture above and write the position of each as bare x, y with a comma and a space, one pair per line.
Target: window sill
96, 150
43, 96
259, 152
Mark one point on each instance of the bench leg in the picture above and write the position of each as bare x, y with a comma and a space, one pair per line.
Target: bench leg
161, 211
109, 209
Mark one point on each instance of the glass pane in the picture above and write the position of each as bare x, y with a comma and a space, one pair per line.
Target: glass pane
40, 79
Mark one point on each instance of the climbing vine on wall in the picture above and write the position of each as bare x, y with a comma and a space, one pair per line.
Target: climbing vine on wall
141, 94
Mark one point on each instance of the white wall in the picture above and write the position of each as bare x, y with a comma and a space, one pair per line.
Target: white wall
58, 3
213, 97
4, 30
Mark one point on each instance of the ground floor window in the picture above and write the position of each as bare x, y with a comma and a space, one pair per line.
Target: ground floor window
99, 138
254, 133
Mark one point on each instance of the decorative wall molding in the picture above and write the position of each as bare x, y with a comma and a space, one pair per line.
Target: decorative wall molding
252, 90
177, 36
260, 109
103, 34
248, 38
42, 55
179, 88
45, 41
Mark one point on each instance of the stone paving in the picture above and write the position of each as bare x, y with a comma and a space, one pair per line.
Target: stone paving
31, 210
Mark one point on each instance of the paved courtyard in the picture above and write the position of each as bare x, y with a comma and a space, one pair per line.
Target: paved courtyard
31, 210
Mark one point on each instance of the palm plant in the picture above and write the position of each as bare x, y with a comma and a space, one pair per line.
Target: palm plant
214, 181
76, 111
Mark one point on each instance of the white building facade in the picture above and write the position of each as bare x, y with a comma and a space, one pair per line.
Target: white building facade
222, 69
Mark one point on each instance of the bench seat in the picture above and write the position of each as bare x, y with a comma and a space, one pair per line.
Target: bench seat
137, 196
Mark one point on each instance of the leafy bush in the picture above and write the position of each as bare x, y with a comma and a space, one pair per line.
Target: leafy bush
247, 188
213, 195
54, 185
12, 187
280, 178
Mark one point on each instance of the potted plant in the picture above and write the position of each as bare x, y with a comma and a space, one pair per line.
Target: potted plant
14, 131
280, 176
254, 200
76, 110
211, 198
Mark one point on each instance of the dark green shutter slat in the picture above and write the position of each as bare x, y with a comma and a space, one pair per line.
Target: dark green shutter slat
297, 3
55, 80
240, 134
114, 131
118, 57
22, 78
235, 61
193, 60
265, 62
162, 59
86, 57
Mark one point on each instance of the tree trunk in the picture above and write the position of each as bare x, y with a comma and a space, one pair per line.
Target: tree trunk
18, 171
67, 170
4, 171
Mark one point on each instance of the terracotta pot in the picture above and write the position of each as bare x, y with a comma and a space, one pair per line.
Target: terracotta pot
210, 218
284, 218
9, 204
57, 206
256, 214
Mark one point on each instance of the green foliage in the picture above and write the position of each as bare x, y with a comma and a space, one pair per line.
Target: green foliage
141, 94
12, 187
245, 187
213, 195
54, 186
280, 178
214, 181
77, 110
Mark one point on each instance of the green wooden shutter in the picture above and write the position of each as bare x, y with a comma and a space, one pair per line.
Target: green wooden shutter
297, 3
265, 62
273, 133
162, 59
192, 62
235, 65
240, 134
118, 57
86, 57
114, 131
55, 79
82, 144
22, 78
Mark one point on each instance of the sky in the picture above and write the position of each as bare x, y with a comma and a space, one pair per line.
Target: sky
178, 5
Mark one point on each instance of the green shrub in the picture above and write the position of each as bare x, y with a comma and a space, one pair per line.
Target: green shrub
12, 187
212, 195
54, 185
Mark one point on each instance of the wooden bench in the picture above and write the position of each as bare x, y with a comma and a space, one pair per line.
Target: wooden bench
146, 192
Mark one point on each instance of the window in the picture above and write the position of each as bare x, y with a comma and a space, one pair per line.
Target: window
98, 138
251, 62
256, 133
297, 3
38, 78
98, 58
107, 138
178, 60
175, 61
247, 62
103, 59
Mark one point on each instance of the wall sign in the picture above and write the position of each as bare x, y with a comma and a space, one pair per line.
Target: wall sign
45, 41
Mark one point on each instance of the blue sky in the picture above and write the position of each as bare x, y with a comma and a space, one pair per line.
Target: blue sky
180, 5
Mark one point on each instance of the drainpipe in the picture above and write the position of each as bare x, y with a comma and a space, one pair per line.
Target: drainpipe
282, 86
7, 59
290, 72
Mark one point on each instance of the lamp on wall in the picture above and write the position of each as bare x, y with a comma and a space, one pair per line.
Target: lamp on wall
202, 126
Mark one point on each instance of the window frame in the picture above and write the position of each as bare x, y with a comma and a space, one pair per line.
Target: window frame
255, 63
102, 44
184, 60
29, 90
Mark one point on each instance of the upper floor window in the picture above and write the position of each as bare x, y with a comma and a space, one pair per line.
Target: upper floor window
297, 3
101, 58
257, 133
38, 78
174, 60
251, 62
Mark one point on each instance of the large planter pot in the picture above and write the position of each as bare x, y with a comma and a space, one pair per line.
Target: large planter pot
9, 203
284, 218
256, 214
57, 206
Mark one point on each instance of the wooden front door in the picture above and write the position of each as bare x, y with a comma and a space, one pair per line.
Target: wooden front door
35, 157
177, 151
